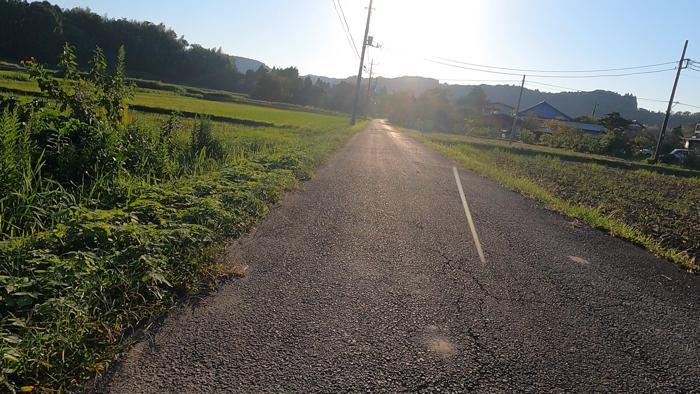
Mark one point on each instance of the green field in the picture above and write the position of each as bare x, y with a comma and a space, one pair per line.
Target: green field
280, 117
87, 261
18, 81
654, 206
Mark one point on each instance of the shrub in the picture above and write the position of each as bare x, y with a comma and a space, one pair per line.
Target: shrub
562, 136
528, 137
202, 140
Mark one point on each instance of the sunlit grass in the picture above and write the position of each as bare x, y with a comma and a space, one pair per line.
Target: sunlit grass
104, 259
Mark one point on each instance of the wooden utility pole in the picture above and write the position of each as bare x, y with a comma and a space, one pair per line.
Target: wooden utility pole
662, 132
362, 61
369, 87
595, 107
517, 109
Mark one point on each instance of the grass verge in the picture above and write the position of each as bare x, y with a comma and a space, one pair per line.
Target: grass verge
113, 259
628, 203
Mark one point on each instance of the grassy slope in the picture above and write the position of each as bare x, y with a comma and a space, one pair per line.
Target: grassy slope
18, 81
660, 212
280, 117
77, 290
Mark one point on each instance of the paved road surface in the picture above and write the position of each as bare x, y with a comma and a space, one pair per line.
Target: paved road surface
369, 280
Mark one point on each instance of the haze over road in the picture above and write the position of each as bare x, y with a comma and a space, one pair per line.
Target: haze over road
369, 279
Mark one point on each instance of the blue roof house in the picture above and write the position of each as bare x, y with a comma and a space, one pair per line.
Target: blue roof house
544, 111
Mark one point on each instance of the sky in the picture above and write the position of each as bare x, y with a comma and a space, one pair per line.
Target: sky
559, 35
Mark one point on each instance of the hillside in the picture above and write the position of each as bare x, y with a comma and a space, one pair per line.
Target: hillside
244, 64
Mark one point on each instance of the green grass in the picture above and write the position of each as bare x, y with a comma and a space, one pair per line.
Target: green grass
17, 80
106, 259
79, 288
183, 98
280, 117
647, 206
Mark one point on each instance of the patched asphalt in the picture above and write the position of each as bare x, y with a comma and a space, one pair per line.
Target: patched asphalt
368, 280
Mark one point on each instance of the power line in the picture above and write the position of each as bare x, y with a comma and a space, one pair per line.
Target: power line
340, 6
536, 76
655, 100
555, 86
344, 26
688, 105
477, 80
556, 71
554, 76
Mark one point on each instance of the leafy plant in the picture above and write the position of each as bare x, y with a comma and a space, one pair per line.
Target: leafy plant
106, 221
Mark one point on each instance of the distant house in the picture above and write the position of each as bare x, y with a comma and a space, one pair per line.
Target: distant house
634, 127
693, 142
544, 111
590, 128
498, 109
497, 115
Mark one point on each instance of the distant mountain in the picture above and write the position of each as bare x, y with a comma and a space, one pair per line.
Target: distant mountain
574, 104
243, 64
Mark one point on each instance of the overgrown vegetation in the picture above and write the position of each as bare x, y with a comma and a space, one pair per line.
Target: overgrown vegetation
645, 205
107, 217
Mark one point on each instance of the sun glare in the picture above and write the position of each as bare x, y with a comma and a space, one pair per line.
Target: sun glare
442, 28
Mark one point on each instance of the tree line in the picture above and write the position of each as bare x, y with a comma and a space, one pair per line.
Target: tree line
39, 30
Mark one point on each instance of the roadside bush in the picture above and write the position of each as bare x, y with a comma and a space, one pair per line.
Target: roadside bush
105, 222
104, 271
614, 142
575, 140
202, 140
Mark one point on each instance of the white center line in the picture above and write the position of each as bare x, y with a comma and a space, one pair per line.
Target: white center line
469, 216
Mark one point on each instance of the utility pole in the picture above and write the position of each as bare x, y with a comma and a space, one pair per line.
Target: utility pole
362, 60
369, 87
662, 132
595, 107
517, 109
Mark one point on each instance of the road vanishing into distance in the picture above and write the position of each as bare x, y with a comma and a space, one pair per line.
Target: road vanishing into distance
370, 279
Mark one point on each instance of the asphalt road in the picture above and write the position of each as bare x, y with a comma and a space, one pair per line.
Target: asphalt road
369, 279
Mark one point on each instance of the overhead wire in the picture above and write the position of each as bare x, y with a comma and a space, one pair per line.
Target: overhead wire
432, 60
346, 30
556, 71
691, 64
342, 12
553, 76
477, 80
